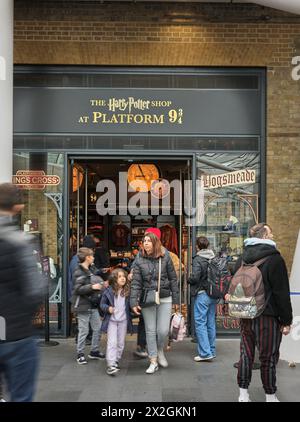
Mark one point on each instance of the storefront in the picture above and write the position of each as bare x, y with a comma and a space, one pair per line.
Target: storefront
140, 131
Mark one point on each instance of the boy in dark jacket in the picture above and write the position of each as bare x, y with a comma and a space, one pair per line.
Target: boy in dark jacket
86, 300
266, 330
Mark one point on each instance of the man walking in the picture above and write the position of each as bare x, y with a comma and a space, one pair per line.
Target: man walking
21, 291
264, 331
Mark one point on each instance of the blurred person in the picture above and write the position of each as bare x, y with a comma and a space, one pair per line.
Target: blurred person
85, 305
1, 389
22, 290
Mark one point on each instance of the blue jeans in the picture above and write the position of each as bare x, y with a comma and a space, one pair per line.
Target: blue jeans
19, 362
157, 324
205, 324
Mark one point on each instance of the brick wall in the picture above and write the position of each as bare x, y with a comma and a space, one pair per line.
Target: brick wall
177, 34
38, 206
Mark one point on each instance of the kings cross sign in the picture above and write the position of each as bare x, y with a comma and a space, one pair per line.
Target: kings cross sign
34, 179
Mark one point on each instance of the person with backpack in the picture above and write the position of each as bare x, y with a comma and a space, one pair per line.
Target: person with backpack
259, 294
204, 305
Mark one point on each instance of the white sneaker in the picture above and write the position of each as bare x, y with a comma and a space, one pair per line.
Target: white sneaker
245, 400
152, 368
200, 359
271, 398
162, 359
244, 395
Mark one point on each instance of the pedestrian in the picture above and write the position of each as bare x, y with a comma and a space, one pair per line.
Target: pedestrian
141, 344
86, 301
22, 290
204, 305
102, 257
154, 260
117, 320
266, 330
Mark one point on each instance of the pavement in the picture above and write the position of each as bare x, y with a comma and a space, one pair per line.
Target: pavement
61, 379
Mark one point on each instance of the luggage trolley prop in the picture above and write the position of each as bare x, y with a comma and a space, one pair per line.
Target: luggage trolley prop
290, 346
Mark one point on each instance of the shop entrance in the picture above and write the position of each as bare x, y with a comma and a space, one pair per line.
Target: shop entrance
99, 205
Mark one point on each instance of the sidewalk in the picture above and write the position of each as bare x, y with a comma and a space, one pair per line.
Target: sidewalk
62, 379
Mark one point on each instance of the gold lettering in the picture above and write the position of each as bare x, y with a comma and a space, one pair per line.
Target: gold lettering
97, 116
158, 119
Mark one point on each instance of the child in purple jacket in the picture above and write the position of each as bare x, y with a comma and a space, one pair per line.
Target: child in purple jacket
115, 306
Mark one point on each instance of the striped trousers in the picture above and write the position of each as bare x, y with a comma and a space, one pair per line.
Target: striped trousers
264, 332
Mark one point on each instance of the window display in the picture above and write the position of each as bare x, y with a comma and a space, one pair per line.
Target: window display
42, 220
230, 209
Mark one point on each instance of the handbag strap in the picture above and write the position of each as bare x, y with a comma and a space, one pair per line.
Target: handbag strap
159, 275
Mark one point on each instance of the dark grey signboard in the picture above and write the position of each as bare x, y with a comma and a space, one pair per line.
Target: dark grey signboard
135, 111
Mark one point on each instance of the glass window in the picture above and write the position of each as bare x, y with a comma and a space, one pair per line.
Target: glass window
40, 175
231, 191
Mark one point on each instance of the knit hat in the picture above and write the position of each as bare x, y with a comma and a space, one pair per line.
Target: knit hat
88, 242
155, 231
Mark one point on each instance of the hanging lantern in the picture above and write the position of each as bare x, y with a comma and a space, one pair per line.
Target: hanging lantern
77, 177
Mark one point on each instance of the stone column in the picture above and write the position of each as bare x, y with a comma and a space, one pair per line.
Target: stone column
6, 89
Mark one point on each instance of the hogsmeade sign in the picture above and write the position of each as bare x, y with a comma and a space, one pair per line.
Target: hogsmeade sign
240, 177
34, 179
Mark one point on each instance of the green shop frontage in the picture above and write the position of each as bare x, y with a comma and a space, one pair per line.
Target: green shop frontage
112, 151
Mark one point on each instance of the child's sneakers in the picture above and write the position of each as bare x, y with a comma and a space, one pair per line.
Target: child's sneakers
81, 360
96, 355
112, 370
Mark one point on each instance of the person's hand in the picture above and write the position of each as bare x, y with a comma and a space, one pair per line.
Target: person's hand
227, 297
111, 309
130, 276
285, 330
96, 286
137, 310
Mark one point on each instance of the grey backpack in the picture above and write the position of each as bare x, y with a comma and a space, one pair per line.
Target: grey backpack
247, 292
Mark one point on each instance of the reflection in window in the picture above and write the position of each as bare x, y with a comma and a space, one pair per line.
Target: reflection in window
229, 210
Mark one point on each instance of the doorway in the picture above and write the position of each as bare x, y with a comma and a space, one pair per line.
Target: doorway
99, 206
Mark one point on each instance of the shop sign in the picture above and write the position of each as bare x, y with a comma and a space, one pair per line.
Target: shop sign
124, 111
35, 179
240, 177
